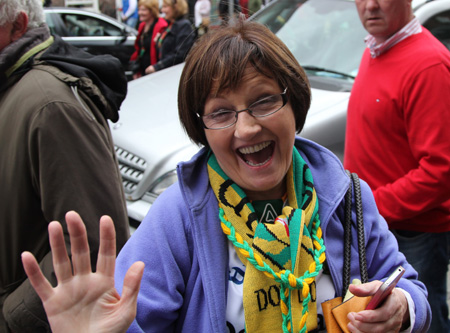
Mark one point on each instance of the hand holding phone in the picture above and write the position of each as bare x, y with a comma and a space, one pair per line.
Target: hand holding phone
385, 289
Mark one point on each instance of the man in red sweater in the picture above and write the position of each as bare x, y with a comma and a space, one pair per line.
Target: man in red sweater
398, 138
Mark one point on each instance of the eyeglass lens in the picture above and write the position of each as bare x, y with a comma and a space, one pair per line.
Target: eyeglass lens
261, 108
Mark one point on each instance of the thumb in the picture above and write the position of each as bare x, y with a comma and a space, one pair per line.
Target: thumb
365, 289
131, 286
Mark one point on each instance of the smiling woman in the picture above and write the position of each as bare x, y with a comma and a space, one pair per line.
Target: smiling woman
257, 202
243, 96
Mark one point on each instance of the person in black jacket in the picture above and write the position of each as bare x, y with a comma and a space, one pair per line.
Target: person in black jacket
175, 42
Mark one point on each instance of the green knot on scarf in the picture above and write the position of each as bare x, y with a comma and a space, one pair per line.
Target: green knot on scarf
282, 258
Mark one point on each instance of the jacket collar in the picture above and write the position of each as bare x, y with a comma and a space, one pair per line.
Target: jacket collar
13, 56
102, 71
101, 77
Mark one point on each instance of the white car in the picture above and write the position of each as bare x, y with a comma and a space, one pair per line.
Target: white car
327, 38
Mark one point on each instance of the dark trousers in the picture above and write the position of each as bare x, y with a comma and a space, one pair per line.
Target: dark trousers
429, 254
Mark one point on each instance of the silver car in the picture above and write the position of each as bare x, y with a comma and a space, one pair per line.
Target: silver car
327, 38
93, 32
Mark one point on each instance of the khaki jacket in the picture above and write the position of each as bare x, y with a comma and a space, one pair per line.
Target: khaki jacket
57, 155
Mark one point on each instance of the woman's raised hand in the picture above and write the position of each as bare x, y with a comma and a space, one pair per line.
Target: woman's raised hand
84, 301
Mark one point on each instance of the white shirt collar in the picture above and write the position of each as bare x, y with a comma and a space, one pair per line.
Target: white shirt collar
412, 28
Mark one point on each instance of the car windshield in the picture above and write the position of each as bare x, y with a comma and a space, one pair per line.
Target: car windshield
326, 36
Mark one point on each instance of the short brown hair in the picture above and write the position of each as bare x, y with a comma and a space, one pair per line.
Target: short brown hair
151, 5
180, 7
219, 59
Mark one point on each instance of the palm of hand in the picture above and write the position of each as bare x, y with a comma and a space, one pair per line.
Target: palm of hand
88, 296
84, 301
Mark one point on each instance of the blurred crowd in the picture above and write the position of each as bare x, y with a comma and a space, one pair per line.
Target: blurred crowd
167, 30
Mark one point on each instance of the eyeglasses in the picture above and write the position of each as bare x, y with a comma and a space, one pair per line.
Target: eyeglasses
262, 108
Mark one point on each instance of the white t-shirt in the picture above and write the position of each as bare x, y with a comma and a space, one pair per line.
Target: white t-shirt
235, 307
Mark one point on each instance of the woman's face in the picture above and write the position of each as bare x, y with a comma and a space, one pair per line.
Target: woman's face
255, 153
145, 15
168, 11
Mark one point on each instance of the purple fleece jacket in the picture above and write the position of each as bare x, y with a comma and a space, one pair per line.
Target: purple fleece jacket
183, 247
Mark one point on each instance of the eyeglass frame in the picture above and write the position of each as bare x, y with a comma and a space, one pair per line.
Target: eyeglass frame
236, 113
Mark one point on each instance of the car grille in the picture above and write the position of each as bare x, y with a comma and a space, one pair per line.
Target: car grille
131, 168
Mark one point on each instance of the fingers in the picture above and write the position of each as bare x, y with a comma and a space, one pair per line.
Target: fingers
366, 323
37, 279
61, 262
386, 324
365, 289
132, 280
79, 245
107, 251
389, 317
131, 286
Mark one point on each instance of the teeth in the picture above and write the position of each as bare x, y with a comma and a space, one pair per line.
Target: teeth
257, 164
255, 148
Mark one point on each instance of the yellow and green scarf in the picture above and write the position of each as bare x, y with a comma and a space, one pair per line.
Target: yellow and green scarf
283, 258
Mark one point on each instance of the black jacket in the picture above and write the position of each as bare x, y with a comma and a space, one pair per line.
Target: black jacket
176, 43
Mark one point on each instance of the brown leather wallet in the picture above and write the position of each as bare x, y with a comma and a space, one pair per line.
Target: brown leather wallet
354, 304
330, 321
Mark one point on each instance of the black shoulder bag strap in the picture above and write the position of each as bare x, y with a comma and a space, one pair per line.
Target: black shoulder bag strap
354, 183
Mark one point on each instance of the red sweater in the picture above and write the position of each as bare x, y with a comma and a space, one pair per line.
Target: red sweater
398, 132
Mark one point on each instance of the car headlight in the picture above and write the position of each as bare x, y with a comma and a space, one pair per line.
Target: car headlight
163, 182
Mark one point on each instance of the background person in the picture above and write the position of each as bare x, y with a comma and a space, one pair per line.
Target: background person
174, 43
224, 10
244, 7
57, 151
130, 13
398, 139
202, 16
151, 25
191, 239
254, 6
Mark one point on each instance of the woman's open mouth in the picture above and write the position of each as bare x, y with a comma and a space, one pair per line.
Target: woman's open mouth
258, 154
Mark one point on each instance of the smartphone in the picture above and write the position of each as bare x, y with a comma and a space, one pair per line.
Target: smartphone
385, 289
